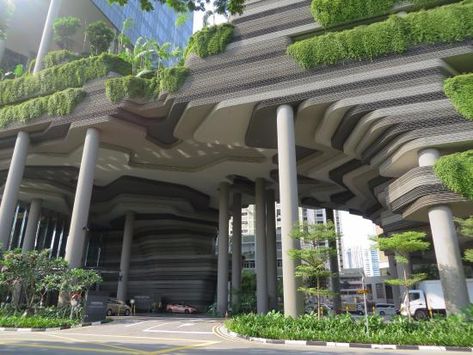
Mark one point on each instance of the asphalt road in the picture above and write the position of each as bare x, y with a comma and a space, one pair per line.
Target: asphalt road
157, 335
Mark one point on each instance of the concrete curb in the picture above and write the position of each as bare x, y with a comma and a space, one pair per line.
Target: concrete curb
29, 330
310, 343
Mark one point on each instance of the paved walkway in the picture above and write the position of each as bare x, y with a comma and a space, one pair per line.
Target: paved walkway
156, 335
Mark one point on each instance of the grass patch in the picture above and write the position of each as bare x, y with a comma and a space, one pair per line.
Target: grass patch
58, 104
131, 87
459, 90
210, 40
456, 172
60, 77
35, 322
450, 331
444, 24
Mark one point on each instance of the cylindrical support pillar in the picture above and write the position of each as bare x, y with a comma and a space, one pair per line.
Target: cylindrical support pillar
80, 211
125, 256
289, 207
271, 251
334, 268
12, 187
236, 252
393, 273
43, 49
222, 272
447, 249
260, 255
32, 225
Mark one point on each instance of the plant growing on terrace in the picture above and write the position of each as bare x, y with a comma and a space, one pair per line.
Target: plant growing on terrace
404, 244
210, 40
64, 29
313, 268
456, 172
466, 229
99, 36
459, 90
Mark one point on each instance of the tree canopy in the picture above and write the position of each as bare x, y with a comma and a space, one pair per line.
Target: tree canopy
223, 7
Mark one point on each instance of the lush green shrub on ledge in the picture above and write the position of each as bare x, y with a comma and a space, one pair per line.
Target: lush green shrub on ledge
61, 77
456, 172
332, 12
450, 331
171, 79
459, 90
35, 322
59, 57
58, 104
131, 87
210, 40
444, 24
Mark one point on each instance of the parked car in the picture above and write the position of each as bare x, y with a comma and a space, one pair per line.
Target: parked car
385, 309
180, 308
116, 308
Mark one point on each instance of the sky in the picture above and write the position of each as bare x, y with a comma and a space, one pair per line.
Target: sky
199, 20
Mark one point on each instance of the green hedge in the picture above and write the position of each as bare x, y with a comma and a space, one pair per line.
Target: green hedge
459, 90
58, 104
59, 57
450, 331
131, 87
171, 79
444, 24
35, 322
210, 40
61, 77
332, 12
456, 172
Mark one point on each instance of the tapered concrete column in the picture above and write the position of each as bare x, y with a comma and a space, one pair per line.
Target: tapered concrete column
12, 187
125, 257
260, 255
271, 251
289, 207
32, 225
334, 268
447, 249
80, 211
393, 273
236, 252
43, 49
222, 272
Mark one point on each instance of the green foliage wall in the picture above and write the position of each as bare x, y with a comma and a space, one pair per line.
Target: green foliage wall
444, 24
459, 90
59, 57
58, 78
210, 40
58, 104
171, 79
131, 87
456, 172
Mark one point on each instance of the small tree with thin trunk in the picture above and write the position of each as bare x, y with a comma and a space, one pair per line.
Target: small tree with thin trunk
314, 257
64, 29
99, 36
466, 229
404, 244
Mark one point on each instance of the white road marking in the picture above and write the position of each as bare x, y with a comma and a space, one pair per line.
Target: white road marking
175, 332
186, 325
133, 324
155, 326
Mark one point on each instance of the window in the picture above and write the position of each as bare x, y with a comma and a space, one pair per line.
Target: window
414, 296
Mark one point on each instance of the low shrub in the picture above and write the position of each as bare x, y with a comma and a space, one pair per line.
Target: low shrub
131, 87
333, 12
456, 172
61, 77
459, 90
17, 321
210, 40
171, 79
444, 24
450, 331
59, 57
58, 104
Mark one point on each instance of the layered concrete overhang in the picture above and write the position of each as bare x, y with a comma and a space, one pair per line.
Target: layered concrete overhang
359, 127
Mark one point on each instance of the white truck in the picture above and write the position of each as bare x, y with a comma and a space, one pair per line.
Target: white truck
428, 298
